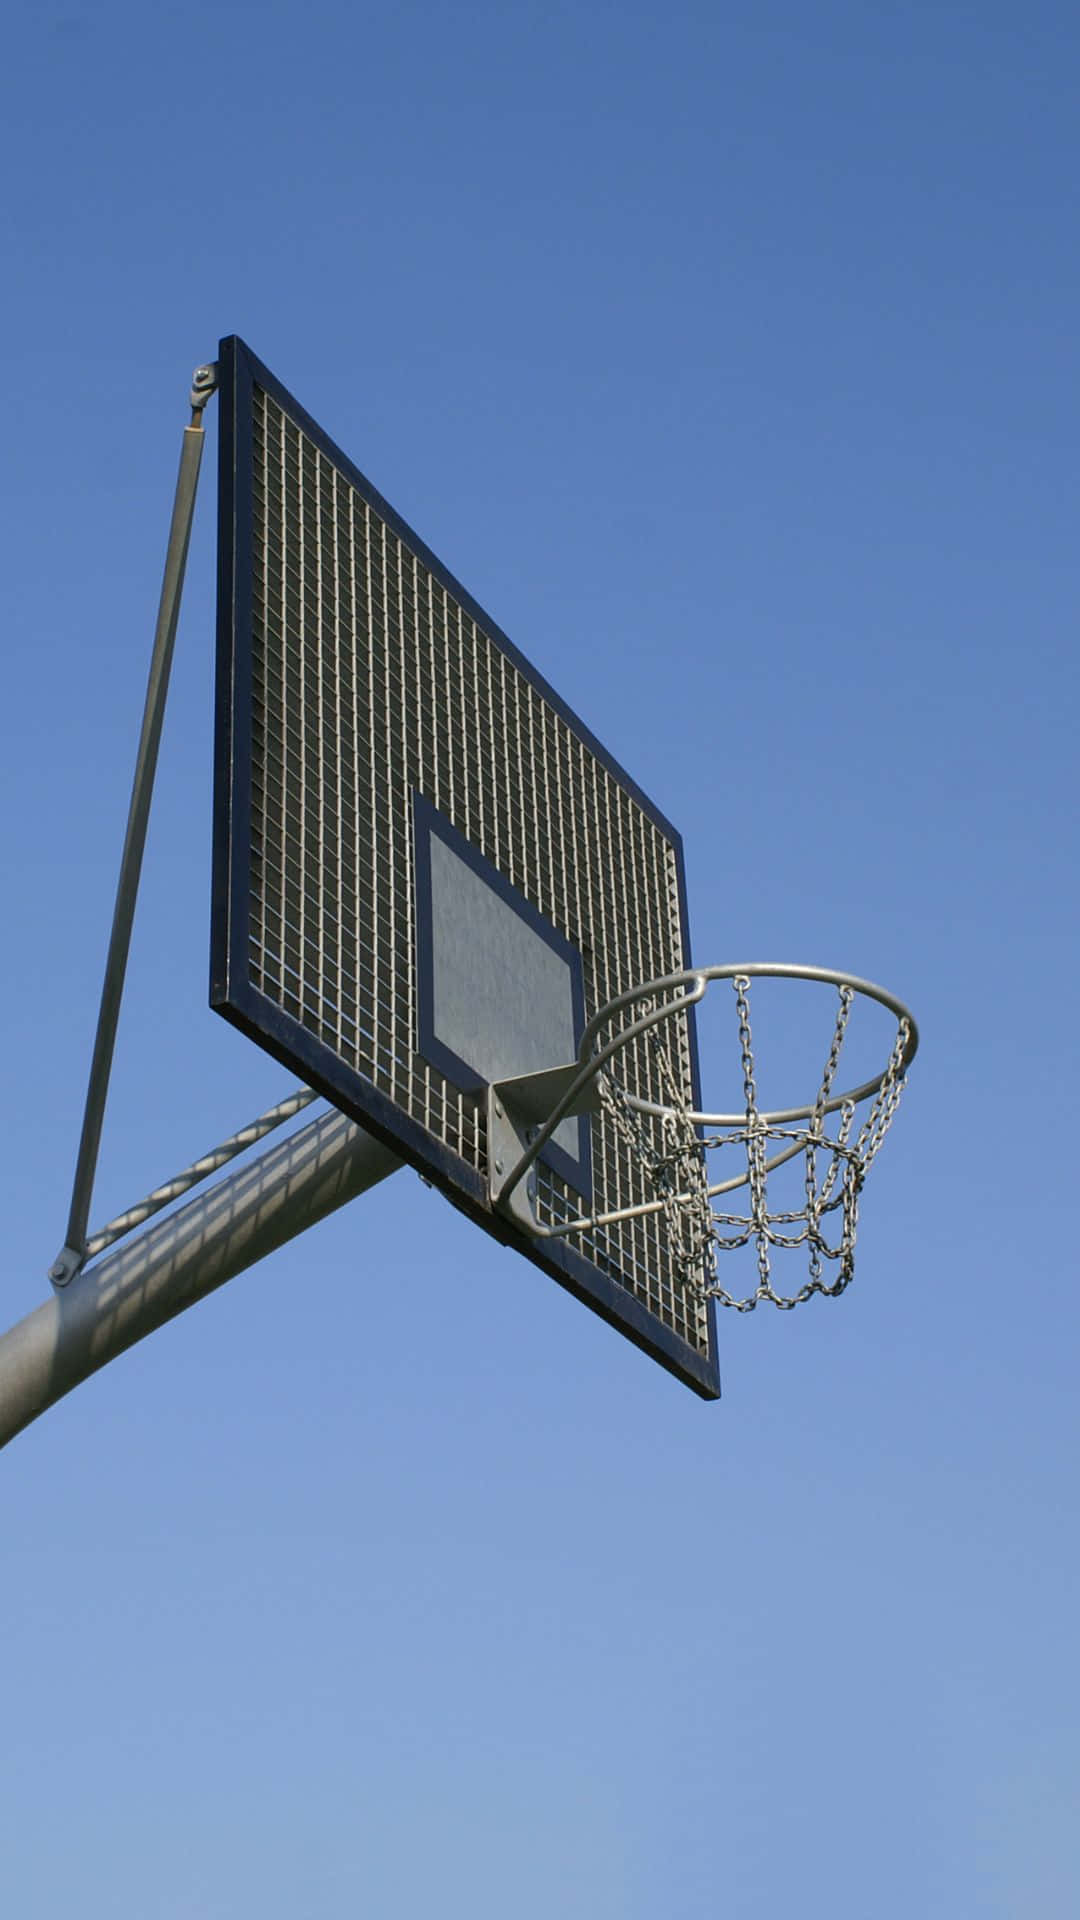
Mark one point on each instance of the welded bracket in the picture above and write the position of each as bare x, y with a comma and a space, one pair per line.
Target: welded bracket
520, 1122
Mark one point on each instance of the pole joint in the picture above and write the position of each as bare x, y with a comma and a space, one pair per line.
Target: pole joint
69, 1261
203, 383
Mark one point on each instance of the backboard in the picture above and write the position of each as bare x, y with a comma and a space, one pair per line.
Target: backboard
428, 873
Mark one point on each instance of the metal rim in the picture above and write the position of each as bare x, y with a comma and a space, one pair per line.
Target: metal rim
695, 980
699, 978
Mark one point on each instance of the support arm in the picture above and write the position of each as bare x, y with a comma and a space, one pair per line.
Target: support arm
166, 1269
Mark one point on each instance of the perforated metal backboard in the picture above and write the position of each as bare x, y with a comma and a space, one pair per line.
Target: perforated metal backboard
428, 874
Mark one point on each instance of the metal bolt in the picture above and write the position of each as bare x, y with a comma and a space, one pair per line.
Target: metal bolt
498, 1108
498, 1166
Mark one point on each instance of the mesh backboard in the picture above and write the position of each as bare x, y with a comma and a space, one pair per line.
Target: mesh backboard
427, 874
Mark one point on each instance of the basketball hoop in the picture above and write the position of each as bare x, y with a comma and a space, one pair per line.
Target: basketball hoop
672, 1141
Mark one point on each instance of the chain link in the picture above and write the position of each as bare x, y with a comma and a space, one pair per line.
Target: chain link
677, 1170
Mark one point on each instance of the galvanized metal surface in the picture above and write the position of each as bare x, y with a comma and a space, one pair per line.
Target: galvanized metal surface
133, 1291
199, 1170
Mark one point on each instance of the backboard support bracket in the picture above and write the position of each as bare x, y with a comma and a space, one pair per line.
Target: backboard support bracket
517, 1109
72, 1256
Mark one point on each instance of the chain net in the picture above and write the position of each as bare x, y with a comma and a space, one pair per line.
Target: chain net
675, 1155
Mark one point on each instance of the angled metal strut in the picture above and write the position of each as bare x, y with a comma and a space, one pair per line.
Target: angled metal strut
74, 1251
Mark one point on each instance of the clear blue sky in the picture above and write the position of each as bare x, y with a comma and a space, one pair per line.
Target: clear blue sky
728, 354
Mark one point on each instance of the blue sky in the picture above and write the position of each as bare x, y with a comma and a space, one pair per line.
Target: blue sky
727, 354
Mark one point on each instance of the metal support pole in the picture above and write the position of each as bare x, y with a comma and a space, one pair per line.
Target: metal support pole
73, 1253
167, 1268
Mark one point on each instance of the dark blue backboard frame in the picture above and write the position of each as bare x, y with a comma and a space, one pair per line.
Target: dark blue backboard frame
232, 992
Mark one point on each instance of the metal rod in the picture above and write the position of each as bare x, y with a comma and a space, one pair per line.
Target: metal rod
170, 1266
586, 1221
70, 1259
199, 1170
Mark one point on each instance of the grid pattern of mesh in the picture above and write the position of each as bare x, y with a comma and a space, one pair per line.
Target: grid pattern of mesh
371, 681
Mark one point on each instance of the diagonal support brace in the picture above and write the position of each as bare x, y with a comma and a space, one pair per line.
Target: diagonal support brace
73, 1253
